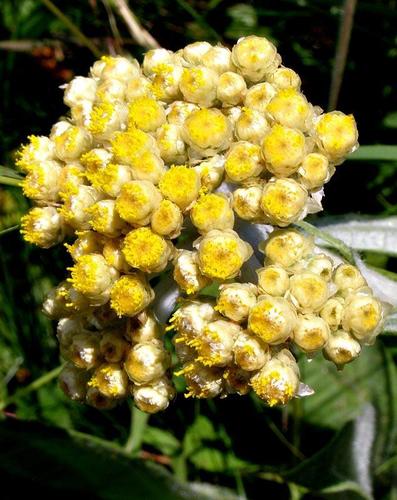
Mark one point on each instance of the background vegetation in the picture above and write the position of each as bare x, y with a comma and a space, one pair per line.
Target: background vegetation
339, 443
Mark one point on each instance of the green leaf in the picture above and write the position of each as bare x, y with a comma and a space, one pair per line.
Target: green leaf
162, 440
10, 172
372, 234
53, 461
390, 120
376, 152
343, 466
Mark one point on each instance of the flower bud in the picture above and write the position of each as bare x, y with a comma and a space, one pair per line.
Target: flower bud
146, 114
202, 381
167, 219
243, 161
95, 160
72, 143
146, 250
194, 52
83, 351
235, 300
170, 143
113, 347
287, 247
146, 362
111, 90
255, 56
178, 111
106, 118
341, 348
211, 172
231, 89
155, 58
75, 210
247, 202
165, 83
236, 380
43, 226
192, 317
147, 329
79, 90
70, 178
73, 382
308, 291
250, 353
198, 85
67, 328
110, 380
283, 201
42, 182
130, 294
290, 108
39, 149
314, 171
332, 312
221, 254
215, 346
348, 278
284, 78
273, 280
105, 219
212, 211
218, 58
187, 273
251, 126
87, 242
113, 254
283, 150
54, 304
272, 319
259, 96
137, 201
277, 382
322, 265
92, 276
127, 146
181, 185
154, 397
111, 178
207, 131
97, 400
137, 87
336, 134
118, 68
362, 316
310, 333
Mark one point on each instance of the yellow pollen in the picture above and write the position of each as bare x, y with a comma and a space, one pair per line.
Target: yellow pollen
144, 249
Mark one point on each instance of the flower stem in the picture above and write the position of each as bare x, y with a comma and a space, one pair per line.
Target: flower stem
34, 386
139, 421
335, 243
9, 181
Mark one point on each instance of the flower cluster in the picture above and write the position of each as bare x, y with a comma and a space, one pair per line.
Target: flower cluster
302, 300
147, 173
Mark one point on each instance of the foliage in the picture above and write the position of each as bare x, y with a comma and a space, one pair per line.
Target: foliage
339, 443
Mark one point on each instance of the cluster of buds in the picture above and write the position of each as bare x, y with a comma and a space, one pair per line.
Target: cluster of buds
147, 173
110, 358
303, 301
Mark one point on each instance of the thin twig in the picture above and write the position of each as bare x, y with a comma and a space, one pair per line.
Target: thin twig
142, 37
113, 26
9, 181
72, 27
199, 19
8, 230
139, 422
34, 386
342, 49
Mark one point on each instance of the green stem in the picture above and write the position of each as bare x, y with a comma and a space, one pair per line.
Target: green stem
139, 422
8, 230
335, 243
9, 181
72, 27
34, 386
